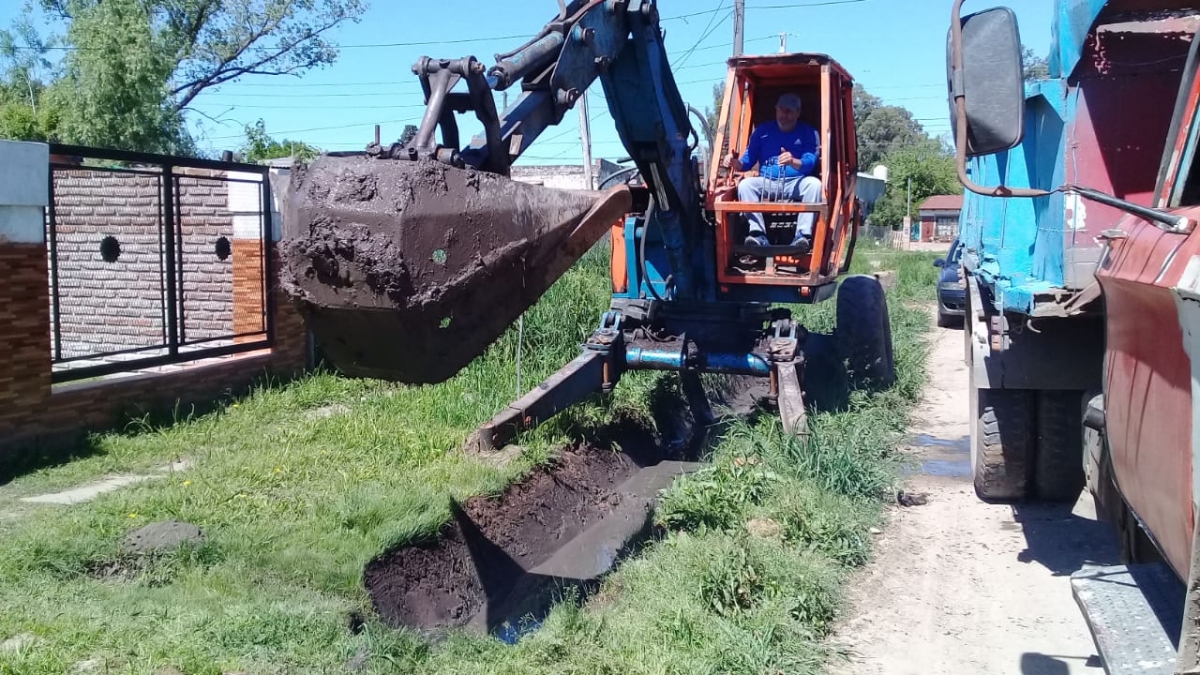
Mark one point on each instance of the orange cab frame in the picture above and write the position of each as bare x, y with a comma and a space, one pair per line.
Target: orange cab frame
826, 90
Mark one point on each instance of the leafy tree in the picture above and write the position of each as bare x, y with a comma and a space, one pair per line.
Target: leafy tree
714, 113
259, 146
410, 132
932, 169
132, 68
882, 129
1036, 68
24, 70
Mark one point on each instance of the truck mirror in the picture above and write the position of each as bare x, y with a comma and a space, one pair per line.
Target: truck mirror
985, 69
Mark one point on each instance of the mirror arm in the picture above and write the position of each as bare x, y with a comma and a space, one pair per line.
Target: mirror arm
960, 103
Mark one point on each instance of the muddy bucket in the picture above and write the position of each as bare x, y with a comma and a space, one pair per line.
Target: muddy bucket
406, 271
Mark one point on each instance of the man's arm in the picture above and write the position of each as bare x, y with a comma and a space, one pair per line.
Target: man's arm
750, 157
810, 151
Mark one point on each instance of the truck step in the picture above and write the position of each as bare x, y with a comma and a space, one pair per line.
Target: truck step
1135, 613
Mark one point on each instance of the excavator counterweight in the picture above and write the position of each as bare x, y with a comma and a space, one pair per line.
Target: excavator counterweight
407, 270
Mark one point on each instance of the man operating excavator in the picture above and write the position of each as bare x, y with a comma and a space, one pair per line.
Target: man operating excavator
785, 150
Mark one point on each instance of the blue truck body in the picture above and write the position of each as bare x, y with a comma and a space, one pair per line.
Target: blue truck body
1015, 247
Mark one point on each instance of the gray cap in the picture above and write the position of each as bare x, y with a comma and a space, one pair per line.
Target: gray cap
790, 101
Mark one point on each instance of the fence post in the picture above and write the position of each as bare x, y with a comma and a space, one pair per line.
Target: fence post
25, 292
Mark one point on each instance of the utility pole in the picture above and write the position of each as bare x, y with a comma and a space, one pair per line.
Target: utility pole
739, 25
783, 43
585, 134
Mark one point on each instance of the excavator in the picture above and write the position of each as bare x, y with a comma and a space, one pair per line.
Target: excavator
409, 260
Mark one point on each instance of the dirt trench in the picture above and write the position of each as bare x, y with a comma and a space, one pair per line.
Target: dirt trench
485, 570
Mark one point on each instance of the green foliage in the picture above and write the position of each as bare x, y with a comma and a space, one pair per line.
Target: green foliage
115, 87
882, 129
259, 146
933, 172
716, 497
1035, 67
132, 68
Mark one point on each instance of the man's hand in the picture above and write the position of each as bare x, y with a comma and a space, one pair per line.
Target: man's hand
730, 159
786, 158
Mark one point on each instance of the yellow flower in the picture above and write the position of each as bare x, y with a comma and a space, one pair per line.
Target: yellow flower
187, 483
236, 405
278, 470
133, 515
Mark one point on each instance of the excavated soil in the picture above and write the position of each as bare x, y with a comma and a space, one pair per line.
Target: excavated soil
491, 543
408, 270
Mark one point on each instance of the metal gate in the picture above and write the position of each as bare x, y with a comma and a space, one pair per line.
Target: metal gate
154, 260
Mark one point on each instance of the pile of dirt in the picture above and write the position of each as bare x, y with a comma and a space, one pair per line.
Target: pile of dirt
491, 543
407, 271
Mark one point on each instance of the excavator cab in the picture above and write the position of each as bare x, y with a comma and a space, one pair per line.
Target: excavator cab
753, 86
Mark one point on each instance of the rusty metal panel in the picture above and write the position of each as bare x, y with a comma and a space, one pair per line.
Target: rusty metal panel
1148, 390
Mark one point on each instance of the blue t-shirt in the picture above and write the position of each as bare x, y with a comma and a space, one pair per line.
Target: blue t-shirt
765, 147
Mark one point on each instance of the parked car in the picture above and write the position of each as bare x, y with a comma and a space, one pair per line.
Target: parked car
952, 288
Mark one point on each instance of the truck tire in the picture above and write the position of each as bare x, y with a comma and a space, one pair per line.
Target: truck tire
1058, 472
1003, 449
864, 333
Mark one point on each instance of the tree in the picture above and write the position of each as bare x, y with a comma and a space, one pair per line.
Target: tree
410, 132
1036, 68
132, 68
714, 113
259, 146
882, 129
932, 170
24, 70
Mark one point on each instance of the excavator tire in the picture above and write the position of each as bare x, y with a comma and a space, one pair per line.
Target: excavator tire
864, 334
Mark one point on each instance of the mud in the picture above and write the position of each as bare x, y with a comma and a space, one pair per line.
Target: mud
407, 271
491, 543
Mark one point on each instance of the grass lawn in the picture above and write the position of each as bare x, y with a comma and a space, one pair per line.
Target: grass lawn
299, 486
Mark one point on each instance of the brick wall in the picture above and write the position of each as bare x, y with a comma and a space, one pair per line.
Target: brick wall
24, 334
33, 409
108, 305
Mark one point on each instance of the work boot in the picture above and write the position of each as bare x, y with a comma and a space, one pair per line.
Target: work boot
756, 240
801, 242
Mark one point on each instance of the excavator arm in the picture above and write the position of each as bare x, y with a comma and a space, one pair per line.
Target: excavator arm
409, 261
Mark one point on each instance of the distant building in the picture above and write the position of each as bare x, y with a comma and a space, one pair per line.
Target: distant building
564, 176
939, 218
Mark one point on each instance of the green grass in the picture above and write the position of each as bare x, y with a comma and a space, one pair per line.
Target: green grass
298, 486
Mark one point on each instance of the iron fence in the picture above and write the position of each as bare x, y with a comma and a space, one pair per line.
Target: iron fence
154, 260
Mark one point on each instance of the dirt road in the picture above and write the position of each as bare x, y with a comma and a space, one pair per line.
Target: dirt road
959, 586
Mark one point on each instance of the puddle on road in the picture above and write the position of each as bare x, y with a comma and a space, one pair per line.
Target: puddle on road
947, 458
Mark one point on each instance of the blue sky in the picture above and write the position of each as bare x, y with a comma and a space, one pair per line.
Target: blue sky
895, 48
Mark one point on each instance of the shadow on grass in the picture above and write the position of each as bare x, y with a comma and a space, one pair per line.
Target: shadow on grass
50, 449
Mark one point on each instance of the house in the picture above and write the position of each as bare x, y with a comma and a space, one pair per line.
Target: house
939, 218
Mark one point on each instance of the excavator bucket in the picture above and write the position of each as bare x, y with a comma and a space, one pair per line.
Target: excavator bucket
408, 270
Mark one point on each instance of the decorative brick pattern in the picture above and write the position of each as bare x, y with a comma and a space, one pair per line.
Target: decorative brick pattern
248, 292
24, 334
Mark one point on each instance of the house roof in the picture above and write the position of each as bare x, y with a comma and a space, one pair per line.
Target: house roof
942, 203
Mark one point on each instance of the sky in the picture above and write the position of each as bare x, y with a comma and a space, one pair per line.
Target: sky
894, 48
